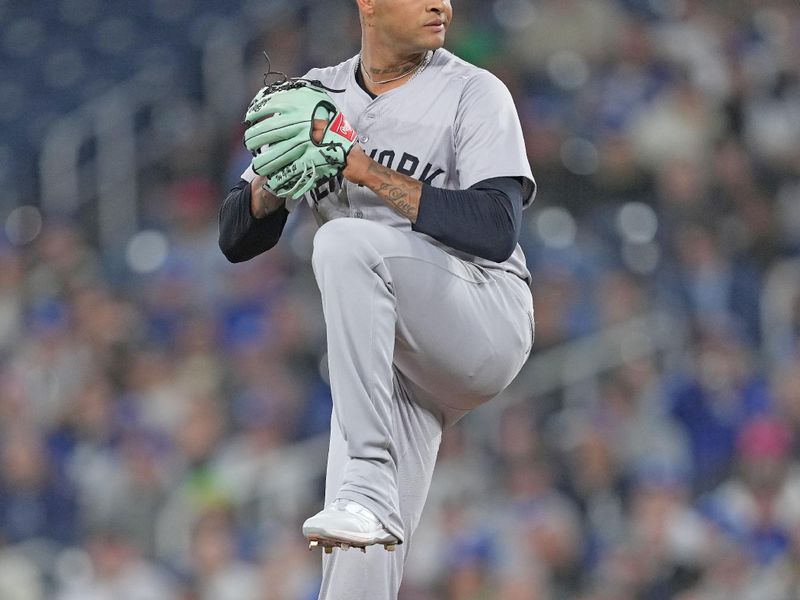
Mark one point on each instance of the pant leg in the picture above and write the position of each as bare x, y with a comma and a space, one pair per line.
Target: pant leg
360, 318
377, 574
411, 326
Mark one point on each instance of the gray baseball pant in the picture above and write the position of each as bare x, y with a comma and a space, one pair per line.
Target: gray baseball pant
416, 339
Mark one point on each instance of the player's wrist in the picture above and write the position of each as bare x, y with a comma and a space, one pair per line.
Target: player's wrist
262, 201
357, 166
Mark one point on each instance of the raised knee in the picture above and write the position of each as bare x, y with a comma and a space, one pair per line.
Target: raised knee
343, 240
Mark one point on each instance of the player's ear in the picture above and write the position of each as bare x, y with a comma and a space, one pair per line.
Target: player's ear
366, 8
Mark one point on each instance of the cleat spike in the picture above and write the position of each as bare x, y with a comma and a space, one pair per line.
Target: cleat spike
328, 549
390, 547
312, 545
345, 547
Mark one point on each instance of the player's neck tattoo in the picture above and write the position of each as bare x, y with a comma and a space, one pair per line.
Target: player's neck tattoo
415, 69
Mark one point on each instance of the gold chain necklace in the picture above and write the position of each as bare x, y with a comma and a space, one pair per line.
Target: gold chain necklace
416, 69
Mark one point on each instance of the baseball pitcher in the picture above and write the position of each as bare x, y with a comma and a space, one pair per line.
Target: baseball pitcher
413, 163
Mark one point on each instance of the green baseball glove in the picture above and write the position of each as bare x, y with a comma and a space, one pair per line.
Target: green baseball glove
280, 123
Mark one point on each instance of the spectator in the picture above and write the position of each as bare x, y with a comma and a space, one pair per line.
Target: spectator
34, 502
117, 572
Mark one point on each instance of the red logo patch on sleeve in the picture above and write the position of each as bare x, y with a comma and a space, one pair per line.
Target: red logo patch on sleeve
343, 128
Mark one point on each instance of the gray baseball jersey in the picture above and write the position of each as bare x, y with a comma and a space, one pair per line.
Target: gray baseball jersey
451, 126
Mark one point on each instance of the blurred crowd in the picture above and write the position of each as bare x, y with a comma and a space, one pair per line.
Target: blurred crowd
163, 414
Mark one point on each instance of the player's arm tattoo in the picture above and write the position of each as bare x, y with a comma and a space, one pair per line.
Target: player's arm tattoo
400, 192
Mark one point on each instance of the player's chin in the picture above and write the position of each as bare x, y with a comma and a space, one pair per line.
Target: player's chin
433, 36
433, 41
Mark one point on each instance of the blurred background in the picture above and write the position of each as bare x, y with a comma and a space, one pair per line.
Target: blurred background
164, 414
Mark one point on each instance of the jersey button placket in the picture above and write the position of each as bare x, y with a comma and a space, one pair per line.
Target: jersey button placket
363, 138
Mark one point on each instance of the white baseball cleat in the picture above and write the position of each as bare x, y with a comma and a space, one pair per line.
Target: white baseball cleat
345, 524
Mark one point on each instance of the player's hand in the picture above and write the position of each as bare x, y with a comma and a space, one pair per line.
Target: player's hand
357, 164
318, 130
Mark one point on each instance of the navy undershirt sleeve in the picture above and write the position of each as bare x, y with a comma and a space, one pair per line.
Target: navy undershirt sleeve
483, 220
241, 235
